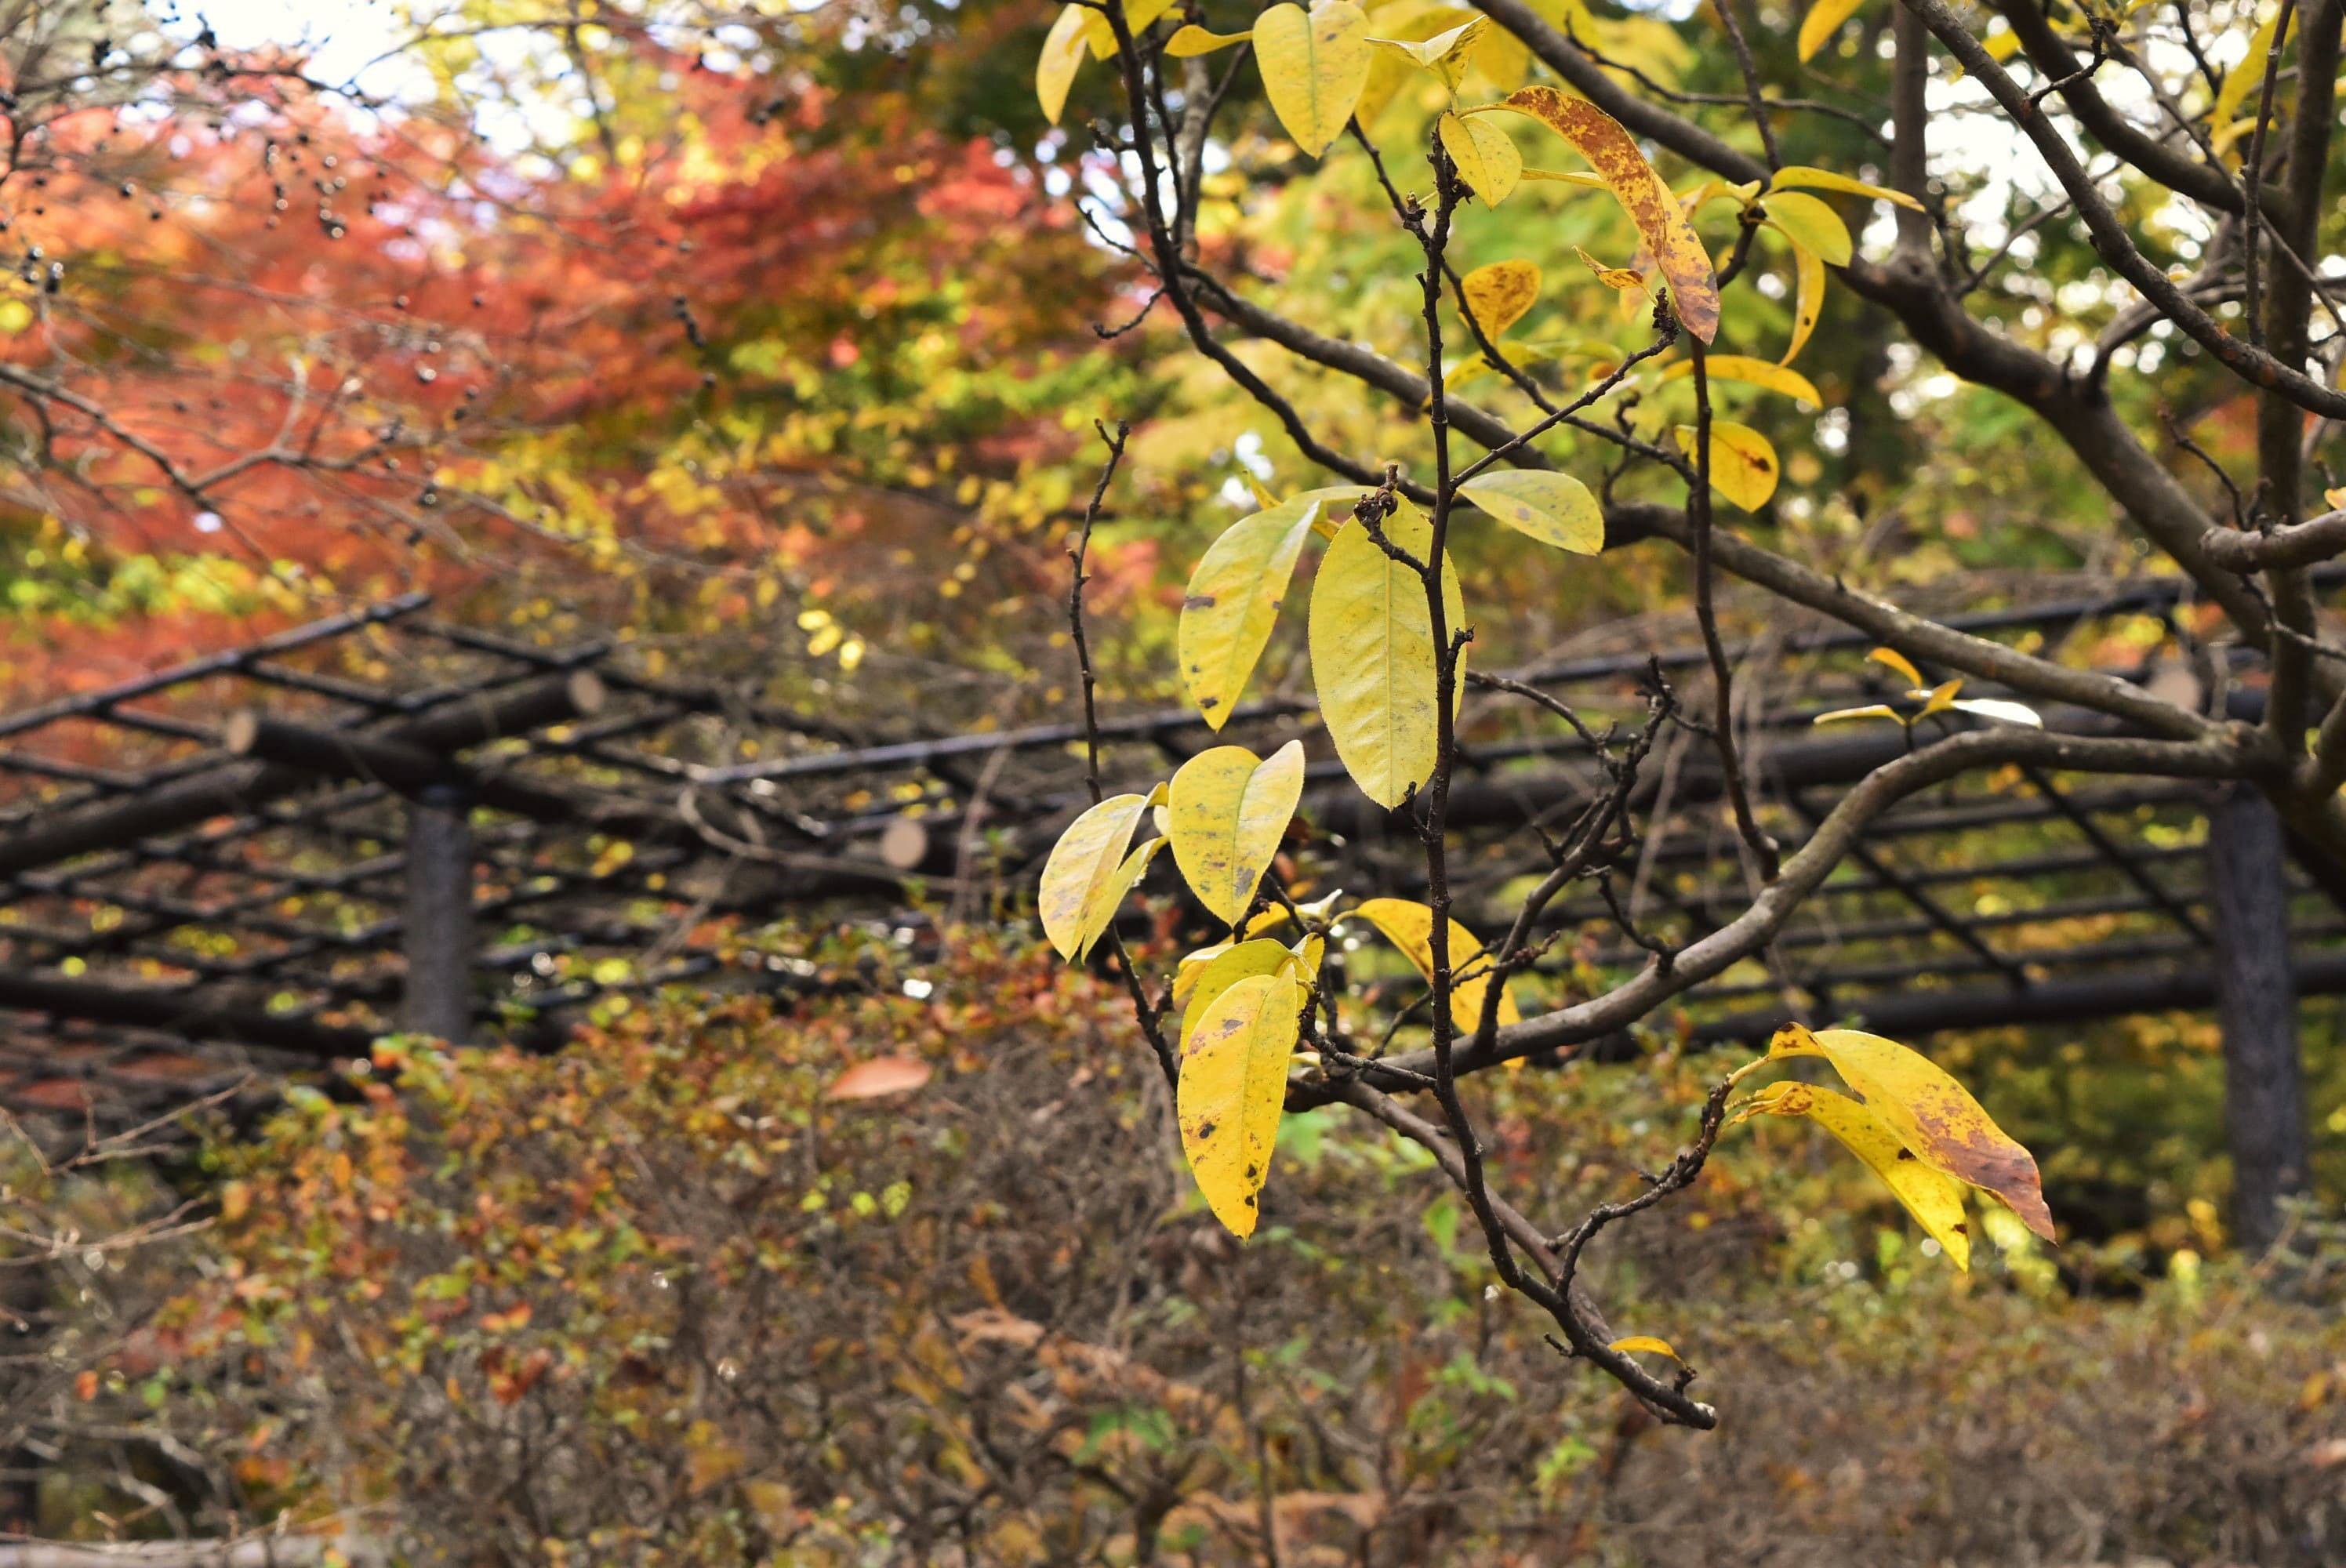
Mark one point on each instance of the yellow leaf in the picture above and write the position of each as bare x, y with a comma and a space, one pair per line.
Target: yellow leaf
1227, 968
1127, 876
1137, 15
1308, 953
1823, 20
1621, 278
1484, 155
1743, 466
1636, 1342
1892, 658
1193, 39
1940, 699
2248, 77
1313, 67
1935, 1198
1552, 508
1809, 223
1444, 54
1843, 714
1233, 602
1389, 69
1610, 151
1230, 810
1568, 176
1085, 864
1796, 174
1809, 298
1371, 640
1501, 294
1756, 373
1931, 1115
1410, 927
1063, 51
1233, 1085
2335, 499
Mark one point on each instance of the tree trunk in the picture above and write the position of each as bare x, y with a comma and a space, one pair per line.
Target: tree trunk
2256, 1004
438, 932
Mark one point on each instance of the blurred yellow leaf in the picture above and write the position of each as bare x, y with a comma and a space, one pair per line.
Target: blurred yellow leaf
1755, 372
1410, 927
1823, 20
1063, 52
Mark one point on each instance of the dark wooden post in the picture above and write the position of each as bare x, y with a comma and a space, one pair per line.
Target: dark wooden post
2256, 1002
439, 920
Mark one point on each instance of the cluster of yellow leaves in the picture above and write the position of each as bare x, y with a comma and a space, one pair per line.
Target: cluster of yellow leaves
1940, 699
1916, 1129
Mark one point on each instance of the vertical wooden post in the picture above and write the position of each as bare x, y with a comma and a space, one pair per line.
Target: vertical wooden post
438, 927
2256, 1004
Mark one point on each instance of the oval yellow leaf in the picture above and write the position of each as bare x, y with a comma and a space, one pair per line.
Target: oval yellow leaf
1809, 223
1501, 294
1063, 51
1552, 508
1410, 927
1232, 1087
1931, 1115
1372, 641
1935, 1198
1484, 155
1192, 40
1313, 67
1083, 864
1245, 961
1753, 372
1743, 466
1228, 813
1611, 152
1797, 175
1823, 20
1233, 602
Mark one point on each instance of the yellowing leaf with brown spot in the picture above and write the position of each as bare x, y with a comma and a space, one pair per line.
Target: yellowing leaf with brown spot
1245, 961
1552, 508
1931, 1115
1501, 294
1809, 223
1313, 67
1753, 372
1935, 1198
1080, 888
1410, 927
1192, 40
1823, 20
1233, 602
1484, 155
1625, 279
1371, 640
1228, 810
1800, 175
1137, 15
1063, 51
1808, 299
1233, 1085
1743, 466
1610, 151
